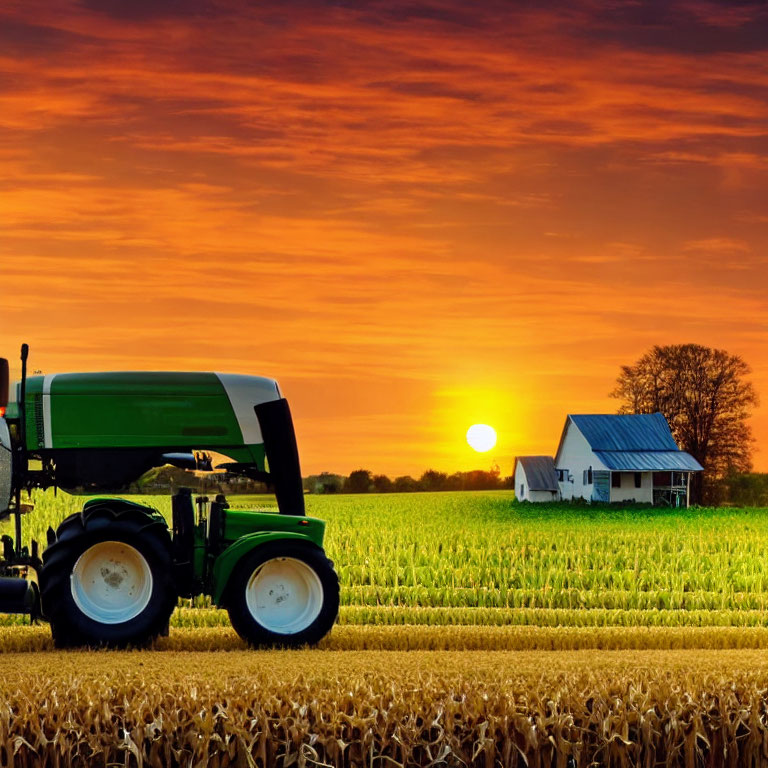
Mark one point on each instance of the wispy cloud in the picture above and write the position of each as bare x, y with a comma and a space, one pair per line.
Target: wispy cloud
722, 245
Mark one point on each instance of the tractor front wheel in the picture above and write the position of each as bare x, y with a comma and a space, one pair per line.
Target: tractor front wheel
283, 593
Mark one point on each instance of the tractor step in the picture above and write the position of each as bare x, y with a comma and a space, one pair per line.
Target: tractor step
18, 596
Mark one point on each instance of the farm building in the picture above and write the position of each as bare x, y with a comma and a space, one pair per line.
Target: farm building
536, 479
619, 458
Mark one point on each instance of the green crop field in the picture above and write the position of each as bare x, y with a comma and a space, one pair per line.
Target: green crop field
482, 559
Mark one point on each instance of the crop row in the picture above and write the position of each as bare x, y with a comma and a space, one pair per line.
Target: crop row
406, 637
540, 617
483, 597
389, 616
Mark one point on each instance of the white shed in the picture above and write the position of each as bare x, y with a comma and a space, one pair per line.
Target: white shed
536, 479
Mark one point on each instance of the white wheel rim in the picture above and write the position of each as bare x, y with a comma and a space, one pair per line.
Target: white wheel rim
111, 582
284, 595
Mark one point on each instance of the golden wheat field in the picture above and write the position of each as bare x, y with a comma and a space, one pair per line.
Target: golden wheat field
384, 708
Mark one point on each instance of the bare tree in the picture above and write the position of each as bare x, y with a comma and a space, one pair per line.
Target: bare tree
704, 396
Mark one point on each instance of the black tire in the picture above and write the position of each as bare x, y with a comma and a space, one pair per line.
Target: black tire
123, 524
248, 626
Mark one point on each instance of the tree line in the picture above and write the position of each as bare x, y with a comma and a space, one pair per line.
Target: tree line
364, 481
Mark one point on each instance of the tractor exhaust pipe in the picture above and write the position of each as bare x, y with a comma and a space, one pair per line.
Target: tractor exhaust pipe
282, 454
22, 458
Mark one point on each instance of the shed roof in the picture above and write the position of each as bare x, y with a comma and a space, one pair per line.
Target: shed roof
540, 472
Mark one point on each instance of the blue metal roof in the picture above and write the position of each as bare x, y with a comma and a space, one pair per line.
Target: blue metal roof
639, 442
540, 472
649, 461
631, 432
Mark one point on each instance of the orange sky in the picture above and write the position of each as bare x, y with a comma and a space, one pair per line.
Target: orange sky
416, 216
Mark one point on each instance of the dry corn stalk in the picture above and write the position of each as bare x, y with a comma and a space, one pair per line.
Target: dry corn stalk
367, 708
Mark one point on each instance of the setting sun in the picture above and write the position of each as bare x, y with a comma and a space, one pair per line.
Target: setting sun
481, 437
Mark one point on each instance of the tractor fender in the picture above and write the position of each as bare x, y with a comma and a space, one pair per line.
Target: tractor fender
225, 563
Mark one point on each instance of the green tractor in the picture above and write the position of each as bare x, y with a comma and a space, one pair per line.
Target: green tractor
112, 573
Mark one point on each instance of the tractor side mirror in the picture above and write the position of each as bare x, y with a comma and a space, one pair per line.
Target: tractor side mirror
5, 382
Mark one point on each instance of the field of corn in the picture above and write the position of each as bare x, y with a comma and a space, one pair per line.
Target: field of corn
473, 631
379, 708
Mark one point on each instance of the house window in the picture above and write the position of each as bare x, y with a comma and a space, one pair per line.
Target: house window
638, 479
615, 480
522, 491
562, 475
588, 476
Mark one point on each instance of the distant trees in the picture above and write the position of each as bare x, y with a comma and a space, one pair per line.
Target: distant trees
359, 481
747, 490
432, 480
382, 484
405, 484
325, 482
704, 396
364, 481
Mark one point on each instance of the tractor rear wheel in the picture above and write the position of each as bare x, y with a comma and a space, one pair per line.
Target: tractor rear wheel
284, 593
107, 579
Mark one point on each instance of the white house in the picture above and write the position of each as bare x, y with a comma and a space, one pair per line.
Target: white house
619, 458
536, 479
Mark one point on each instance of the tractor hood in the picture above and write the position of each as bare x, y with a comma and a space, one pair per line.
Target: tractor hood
135, 409
102, 431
